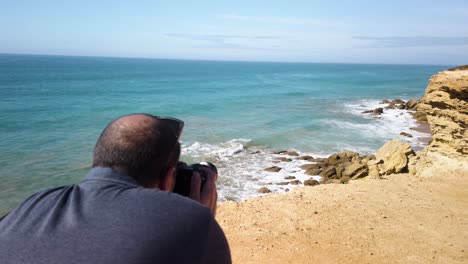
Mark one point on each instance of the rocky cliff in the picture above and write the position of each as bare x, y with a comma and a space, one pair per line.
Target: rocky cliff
446, 105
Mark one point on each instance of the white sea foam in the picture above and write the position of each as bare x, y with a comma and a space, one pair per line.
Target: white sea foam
386, 126
242, 169
241, 166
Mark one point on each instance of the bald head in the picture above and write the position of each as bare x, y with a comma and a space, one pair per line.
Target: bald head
141, 145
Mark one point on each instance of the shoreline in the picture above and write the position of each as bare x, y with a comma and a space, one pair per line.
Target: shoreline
328, 169
415, 211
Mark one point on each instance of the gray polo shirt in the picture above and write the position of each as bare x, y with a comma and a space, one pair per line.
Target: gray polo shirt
110, 218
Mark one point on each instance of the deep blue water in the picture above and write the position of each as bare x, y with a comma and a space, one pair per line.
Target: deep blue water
53, 108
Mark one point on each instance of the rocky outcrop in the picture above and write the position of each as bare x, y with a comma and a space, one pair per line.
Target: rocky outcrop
445, 105
342, 167
394, 104
393, 157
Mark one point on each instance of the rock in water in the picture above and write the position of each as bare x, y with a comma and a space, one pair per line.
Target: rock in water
273, 169
406, 134
412, 104
295, 182
264, 190
378, 111
310, 166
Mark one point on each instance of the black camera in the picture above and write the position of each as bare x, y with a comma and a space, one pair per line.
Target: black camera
184, 174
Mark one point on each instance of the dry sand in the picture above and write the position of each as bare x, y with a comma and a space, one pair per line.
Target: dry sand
400, 219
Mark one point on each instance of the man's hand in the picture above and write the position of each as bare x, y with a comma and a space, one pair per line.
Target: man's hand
208, 196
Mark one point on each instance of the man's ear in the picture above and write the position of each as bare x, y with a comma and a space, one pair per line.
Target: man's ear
167, 182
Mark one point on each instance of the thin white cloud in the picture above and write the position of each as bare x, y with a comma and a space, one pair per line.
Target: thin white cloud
287, 20
224, 41
219, 37
416, 41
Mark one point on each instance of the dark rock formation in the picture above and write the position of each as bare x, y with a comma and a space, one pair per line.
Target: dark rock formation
406, 134
313, 172
284, 159
376, 111
264, 190
412, 104
295, 182
311, 182
306, 157
310, 166
273, 169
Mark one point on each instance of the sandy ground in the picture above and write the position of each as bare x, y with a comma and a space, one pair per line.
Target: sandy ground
400, 219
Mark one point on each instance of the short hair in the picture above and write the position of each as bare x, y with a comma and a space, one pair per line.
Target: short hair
145, 150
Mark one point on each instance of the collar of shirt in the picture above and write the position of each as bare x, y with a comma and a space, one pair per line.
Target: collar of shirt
109, 175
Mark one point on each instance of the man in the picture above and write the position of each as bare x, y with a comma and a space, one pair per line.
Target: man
124, 210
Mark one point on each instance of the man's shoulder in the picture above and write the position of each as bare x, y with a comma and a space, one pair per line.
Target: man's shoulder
167, 201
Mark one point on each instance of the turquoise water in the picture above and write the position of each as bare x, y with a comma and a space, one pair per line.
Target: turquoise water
54, 107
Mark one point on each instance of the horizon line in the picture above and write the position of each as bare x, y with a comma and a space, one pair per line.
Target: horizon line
224, 60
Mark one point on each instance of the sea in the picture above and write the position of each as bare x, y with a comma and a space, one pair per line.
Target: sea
237, 114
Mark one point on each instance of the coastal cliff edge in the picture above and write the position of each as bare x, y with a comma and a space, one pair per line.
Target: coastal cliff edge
419, 215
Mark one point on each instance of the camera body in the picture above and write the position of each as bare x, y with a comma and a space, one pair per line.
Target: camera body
184, 174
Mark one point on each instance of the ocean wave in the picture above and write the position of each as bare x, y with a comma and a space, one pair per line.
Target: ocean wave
386, 126
242, 168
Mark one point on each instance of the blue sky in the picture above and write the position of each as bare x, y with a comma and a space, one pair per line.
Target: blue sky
420, 32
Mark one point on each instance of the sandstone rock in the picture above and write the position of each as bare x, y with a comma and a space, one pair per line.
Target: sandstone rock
273, 169
446, 105
264, 190
373, 172
310, 166
282, 183
412, 104
341, 157
385, 101
292, 153
289, 178
367, 158
284, 159
394, 155
406, 134
345, 180
313, 172
328, 172
397, 101
280, 152
286, 152
311, 182
400, 106
333, 181
295, 182
376, 111
420, 117
319, 160
306, 157
339, 171
459, 68
356, 169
